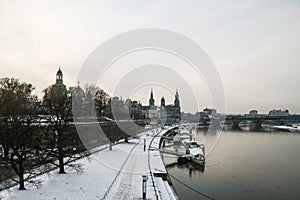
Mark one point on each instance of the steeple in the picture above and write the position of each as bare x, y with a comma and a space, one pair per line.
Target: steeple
151, 100
59, 89
176, 101
59, 76
162, 102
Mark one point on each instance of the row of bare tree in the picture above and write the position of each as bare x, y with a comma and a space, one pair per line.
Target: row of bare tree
37, 133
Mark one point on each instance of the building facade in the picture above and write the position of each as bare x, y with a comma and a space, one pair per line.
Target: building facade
83, 103
163, 114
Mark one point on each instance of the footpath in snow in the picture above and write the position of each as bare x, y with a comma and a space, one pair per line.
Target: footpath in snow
115, 174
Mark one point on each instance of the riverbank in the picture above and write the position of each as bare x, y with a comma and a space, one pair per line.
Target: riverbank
115, 174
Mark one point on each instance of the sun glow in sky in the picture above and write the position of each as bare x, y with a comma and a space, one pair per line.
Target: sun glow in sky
254, 45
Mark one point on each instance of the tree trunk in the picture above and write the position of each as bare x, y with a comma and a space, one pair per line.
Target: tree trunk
6, 150
21, 175
110, 145
61, 164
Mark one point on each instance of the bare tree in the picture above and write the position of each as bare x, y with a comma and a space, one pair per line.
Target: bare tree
19, 133
100, 98
62, 139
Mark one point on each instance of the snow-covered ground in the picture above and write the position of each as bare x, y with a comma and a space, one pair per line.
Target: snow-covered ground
115, 174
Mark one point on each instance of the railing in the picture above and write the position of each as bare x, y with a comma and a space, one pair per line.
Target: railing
151, 174
153, 149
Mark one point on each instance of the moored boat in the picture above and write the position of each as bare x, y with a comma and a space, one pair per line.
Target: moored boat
198, 159
195, 152
295, 128
269, 125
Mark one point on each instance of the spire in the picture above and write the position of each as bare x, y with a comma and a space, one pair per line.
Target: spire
151, 100
59, 76
59, 89
177, 95
151, 94
162, 102
176, 101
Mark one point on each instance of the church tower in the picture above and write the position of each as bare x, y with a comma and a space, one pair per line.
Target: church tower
59, 77
59, 90
176, 101
151, 100
162, 102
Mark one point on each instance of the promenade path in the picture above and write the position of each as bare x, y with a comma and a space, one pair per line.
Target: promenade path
115, 174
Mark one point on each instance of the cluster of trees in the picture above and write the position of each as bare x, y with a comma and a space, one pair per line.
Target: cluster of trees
18, 136
35, 133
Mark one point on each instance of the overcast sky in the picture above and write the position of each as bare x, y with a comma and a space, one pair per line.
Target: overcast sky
254, 45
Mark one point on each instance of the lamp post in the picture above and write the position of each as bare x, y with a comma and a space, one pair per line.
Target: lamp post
144, 186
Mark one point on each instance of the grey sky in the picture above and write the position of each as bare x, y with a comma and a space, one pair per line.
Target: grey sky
255, 45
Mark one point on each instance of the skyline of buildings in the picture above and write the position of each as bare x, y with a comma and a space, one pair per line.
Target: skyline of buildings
118, 109
170, 113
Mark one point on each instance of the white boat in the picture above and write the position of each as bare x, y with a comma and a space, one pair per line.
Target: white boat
199, 159
295, 128
195, 152
269, 125
184, 134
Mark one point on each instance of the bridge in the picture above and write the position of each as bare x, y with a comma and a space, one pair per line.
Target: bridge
259, 119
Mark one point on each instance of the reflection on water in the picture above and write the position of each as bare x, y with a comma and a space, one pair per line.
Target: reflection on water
191, 167
243, 165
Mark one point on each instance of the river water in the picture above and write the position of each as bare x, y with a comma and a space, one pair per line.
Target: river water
243, 165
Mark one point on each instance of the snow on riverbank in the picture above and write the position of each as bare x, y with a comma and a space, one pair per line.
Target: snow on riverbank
101, 173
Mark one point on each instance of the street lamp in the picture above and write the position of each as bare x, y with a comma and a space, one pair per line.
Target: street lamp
144, 186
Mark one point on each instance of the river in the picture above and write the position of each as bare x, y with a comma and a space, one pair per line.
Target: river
243, 165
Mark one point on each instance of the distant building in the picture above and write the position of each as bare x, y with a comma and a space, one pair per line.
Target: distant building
210, 111
151, 111
116, 109
168, 114
171, 113
84, 105
135, 109
151, 100
279, 112
253, 113
89, 104
78, 96
59, 90
208, 115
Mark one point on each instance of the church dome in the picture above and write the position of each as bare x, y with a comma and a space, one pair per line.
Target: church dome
78, 92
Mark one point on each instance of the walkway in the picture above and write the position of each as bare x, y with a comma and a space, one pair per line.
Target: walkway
115, 174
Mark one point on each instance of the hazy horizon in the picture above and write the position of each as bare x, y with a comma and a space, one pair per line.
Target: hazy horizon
254, 46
